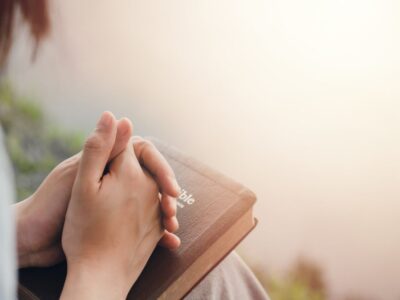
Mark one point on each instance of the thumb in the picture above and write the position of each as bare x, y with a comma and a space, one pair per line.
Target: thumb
126, 163
124, 133
97, 150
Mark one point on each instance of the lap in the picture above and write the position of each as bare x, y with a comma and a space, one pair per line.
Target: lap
231, 279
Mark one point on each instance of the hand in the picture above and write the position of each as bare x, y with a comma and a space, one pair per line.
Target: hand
153, 161
40, 218
113, 222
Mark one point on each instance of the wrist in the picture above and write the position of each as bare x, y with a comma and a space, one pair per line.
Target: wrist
86, 281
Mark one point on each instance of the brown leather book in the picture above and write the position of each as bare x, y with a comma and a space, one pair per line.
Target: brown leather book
215, 213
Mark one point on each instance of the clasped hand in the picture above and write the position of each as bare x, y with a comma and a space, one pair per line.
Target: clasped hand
105, 223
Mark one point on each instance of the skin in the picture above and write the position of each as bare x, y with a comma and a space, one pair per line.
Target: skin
113, 222
41, 217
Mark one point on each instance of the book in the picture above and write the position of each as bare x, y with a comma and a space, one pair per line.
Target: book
215, 213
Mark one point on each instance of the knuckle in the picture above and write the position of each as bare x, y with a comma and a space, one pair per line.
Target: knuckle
94, 143
68, 166
137, 139
145, 145
72, 161
148, 144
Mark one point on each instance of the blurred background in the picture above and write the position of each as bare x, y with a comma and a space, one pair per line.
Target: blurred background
298, 100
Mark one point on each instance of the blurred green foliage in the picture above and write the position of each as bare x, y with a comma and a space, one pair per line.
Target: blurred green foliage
303, 281
34, 143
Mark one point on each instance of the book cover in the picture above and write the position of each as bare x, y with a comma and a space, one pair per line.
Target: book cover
215, 214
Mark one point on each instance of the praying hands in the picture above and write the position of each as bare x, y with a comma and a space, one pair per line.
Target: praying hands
104, 210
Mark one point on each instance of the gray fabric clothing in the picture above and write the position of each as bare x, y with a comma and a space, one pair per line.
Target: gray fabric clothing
231, 279
7, 231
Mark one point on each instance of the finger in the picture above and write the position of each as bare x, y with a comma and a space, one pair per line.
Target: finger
157, 165
97, 149
168, 205
171, 224
124, 133
126, 164
170, 241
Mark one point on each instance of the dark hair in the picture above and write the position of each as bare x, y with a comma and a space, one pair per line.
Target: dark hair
34, 12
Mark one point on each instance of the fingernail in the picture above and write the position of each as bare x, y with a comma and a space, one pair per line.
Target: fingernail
177, 188
105, 120
174, 206
128, 128
178, 243
176, 222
